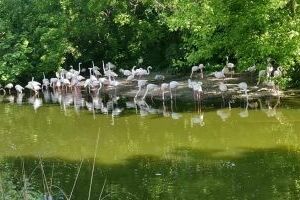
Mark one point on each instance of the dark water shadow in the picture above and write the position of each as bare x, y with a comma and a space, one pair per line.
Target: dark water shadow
183, 174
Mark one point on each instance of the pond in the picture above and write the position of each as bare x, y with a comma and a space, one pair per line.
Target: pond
112, 148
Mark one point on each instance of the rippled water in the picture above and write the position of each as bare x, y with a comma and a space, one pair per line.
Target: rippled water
149, 150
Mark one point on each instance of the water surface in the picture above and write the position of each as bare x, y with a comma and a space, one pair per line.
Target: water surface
158, 150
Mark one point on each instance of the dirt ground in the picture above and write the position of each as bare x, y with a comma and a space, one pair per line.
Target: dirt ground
210, 87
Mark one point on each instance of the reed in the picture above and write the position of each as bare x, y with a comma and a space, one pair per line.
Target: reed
47, 191
1, 189
75, 181
25, 192
102, 189
93, 168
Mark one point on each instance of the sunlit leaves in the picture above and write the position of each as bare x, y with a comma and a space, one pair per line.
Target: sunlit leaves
247, 31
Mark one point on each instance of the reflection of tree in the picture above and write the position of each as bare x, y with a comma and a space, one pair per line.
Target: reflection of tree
190, 174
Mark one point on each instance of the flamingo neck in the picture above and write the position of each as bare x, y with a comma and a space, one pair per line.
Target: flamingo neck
103, 67
148, 70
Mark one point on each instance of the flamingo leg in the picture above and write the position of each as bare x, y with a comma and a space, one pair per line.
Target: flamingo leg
191, 74
145, 94
137, 93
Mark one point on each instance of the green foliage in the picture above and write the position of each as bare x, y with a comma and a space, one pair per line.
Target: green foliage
10, 186
249, 32
41, 36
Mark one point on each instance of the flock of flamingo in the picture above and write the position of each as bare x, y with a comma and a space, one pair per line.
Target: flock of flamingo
73, 80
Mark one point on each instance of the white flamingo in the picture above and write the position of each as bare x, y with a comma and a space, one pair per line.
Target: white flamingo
229, 65
150, 88
164, 87
9, 86
244, 87
197, 68
198, 90
19, 89
278, 72
269, 68
173, 85
223, 88
159, 77
191, 84
45, 82
34, 86
142, 72
141, 83
219, 75
125, 72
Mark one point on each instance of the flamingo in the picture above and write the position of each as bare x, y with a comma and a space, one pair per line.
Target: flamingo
159, 77
251, 69
53, 82
191, 85
229, 65
194, 69
34, 86
65, 82
269, 68
163, 88
261, 75
132, 73
126, 72
150, 88
141, 83
97, 72
19, 89
45, 82
9, 86
130, 78
243, 87
223, 88
198, 90
278, 72
34, 82
108, 72
77, 73
110, 66
173, 85
142, 72
197, 68
219, 75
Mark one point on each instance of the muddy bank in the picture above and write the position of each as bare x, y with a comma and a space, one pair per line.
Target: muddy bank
210, 88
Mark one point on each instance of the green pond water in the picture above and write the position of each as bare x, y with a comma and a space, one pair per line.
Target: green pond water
169, 152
